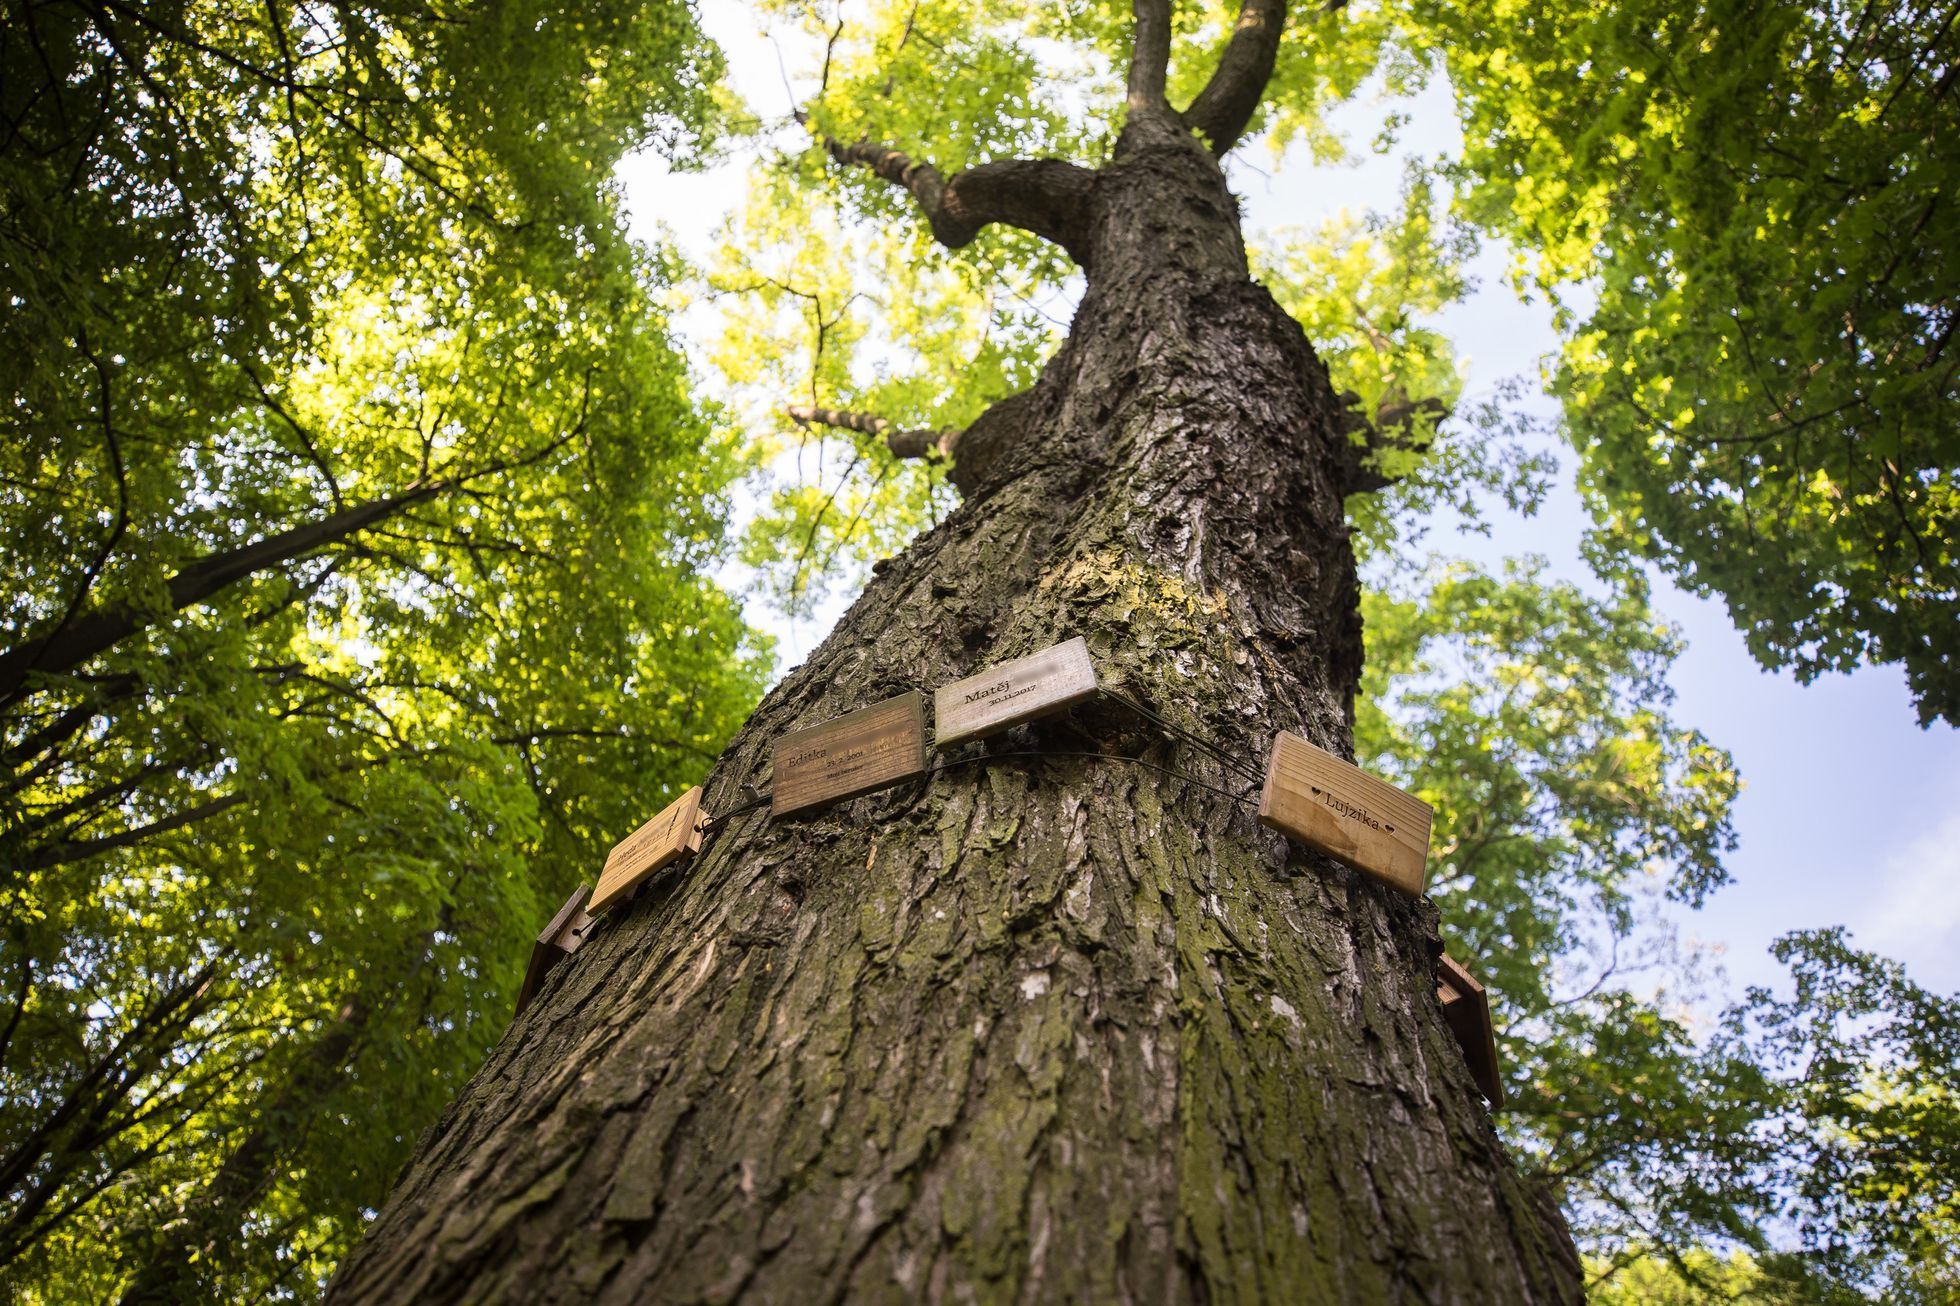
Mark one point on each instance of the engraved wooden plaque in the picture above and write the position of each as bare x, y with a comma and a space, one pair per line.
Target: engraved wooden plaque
660, 842
1013, 692
1467, 1009
559, 940
850, 755
1334, 806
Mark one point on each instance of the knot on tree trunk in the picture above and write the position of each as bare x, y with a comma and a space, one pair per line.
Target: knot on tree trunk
984, 459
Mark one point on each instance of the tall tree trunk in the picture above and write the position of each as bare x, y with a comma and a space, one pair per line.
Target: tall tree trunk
1048, 1027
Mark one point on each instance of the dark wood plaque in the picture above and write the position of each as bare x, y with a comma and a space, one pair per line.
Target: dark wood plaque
1334, 806
1013, 692
559, 940
662, 841
850, 755
1467, 1009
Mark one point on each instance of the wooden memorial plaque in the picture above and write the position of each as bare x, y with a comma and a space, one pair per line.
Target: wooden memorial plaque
1334, 806
1013, 692
850, 755
560, 940
660, 842
1467, 1009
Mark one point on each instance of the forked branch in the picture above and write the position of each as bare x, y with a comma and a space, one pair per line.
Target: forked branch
1225, 107
1048, 197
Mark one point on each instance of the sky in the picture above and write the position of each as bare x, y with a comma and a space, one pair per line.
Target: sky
1850, 814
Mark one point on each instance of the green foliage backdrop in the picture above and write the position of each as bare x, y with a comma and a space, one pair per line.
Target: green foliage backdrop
358, 510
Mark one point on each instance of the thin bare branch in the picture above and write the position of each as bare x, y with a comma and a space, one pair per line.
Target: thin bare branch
923, 443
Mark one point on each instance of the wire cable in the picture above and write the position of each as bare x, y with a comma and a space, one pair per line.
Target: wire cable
1103, 757
764, 796
1219, 754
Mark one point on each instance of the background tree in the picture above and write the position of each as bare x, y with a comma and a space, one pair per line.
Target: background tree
1743, 217
1829, 1112
344, 622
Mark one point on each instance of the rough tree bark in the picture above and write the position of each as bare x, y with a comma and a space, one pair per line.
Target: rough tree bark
1047, 1027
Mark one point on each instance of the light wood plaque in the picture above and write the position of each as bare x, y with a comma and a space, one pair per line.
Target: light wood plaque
660, 842
1013, 692
850, 755
1467, 1009
559, 940
1334, 806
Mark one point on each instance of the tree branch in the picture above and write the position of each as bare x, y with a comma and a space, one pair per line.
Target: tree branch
59, 854
25, 987
76, 641
159, 1020
169, 1272
72, 643
1399, 424
1049, 197
74, 850
1224, 108
924, 443
1150, 52
71, 720
105, 407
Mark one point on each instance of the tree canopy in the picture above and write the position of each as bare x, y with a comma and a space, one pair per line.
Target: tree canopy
1744, 216
357, 510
